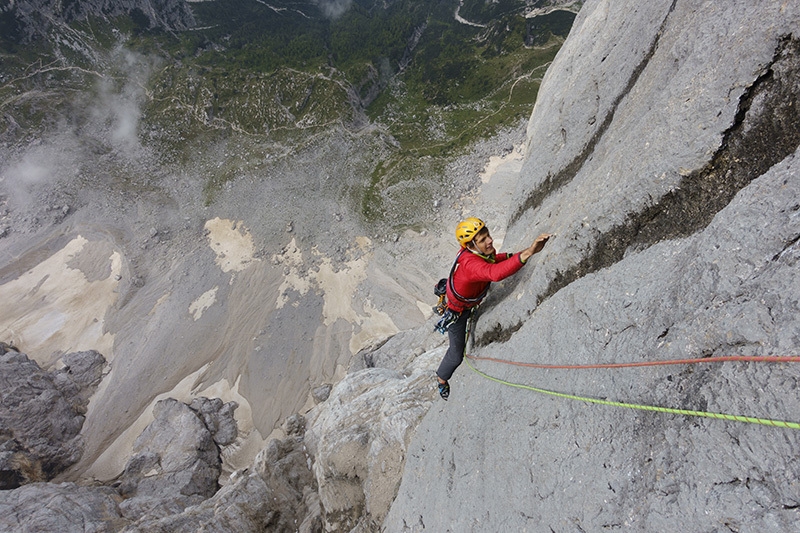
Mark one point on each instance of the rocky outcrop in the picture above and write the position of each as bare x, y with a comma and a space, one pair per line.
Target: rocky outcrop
175, 464
663, 153
359, 440
340, 468
42, 413
26, 20
277, 493
63, 507
218, 418
176, 461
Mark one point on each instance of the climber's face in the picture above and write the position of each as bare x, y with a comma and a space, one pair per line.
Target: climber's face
483, 243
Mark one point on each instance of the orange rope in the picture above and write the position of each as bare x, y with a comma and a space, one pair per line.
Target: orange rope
720, 359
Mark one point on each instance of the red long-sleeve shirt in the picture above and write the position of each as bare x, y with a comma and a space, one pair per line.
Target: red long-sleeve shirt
473, 274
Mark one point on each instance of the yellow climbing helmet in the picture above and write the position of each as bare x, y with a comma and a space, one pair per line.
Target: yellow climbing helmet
467, 229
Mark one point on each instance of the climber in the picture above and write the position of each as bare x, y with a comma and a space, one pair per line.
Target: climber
475, 267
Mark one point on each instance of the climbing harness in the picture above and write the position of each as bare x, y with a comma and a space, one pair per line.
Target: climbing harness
644, 407
449, 317
464, 299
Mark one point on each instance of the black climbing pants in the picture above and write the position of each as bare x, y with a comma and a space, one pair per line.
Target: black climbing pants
457, 333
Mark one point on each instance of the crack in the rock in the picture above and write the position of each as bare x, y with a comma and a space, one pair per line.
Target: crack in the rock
498, 334
789, 244
554, 182
750, 146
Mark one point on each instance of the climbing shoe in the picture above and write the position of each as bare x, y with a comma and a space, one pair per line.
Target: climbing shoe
444, 390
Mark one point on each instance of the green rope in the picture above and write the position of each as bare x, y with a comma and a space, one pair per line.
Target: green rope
658, 409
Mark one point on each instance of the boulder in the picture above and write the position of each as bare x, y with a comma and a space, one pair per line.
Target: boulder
218, 418
79, 377
41, 415
276, 494
321, 393
244, 506
175, 462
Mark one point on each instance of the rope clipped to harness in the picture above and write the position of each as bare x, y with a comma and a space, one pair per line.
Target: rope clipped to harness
717, 359
644, 407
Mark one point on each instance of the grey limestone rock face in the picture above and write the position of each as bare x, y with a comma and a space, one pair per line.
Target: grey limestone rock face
275, 494
359, 439
64, 507
671, 139
663, 153
41, 415
175, 461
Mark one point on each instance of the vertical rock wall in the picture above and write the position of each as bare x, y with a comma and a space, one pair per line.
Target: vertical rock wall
663, 153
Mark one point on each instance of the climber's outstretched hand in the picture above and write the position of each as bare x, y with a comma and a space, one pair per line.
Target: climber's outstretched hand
536, 247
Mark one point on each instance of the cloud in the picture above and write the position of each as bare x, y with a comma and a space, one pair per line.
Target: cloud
38, 166
333, 9
118, 107
105, 120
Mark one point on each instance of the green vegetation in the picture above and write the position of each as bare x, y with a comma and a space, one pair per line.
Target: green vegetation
293, 74
282, 72
463, 84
